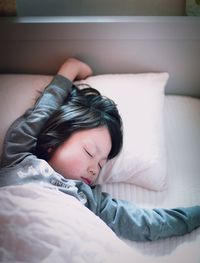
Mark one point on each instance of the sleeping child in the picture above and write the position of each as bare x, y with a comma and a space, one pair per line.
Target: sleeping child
64, 141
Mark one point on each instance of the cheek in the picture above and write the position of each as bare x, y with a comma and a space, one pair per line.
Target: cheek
71, 166
70, 171
74, 169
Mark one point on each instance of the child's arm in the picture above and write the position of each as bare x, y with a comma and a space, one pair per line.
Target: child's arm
21, 138
134, 223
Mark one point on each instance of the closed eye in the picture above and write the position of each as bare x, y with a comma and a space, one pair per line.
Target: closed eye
88, 153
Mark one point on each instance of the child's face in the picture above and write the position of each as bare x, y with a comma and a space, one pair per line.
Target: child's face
82, 156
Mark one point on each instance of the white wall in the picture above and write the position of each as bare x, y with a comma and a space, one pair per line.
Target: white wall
100, 7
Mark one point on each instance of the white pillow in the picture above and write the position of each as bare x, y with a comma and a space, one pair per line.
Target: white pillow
140, 99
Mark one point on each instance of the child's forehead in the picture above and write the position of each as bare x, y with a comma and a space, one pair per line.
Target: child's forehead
88, 140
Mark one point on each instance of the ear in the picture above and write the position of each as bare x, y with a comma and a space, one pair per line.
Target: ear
50, 150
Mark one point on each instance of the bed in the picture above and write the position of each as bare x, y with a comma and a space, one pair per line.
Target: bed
160, 55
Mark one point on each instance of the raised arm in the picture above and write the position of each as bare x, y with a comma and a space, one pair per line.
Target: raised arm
134, 223
21, 138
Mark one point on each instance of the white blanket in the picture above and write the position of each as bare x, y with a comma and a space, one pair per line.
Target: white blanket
43, 225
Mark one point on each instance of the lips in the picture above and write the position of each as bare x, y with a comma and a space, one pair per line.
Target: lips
86, 180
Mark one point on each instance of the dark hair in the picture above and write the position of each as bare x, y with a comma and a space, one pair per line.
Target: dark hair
83, 109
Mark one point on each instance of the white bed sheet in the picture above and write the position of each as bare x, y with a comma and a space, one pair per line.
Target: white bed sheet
182, 126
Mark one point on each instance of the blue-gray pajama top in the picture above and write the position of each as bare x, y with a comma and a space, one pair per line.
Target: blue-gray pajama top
19, 165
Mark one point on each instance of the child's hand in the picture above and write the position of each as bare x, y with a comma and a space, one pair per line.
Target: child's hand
75, 69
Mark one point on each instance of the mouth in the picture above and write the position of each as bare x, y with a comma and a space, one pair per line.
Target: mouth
86, 180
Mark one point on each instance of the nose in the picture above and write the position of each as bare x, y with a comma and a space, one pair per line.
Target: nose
92, 172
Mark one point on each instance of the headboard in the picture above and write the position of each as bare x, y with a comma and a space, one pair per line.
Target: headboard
109, 44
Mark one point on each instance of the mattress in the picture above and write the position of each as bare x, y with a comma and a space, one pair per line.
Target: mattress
182, 132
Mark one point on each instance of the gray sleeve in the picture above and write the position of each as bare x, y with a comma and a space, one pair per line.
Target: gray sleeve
134, 223
21, 137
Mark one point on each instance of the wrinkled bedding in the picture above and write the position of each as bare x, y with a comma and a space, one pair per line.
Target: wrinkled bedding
44, 225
